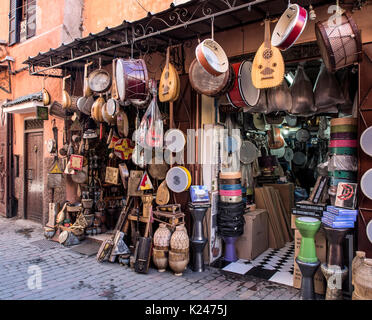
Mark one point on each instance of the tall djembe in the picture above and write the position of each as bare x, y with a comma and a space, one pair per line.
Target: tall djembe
307, 259
334, 270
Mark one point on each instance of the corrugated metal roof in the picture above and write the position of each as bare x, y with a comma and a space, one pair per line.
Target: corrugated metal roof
38, 96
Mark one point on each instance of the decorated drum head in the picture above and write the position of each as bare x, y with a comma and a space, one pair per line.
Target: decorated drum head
174, 140
302, 135
366, 184
178, 179
212, 57
123, 149
288, 154
122, 123
366, 141
112, 107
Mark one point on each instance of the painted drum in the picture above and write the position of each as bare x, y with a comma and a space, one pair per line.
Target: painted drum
343, 144
243, 94
231, 193
230, 181
231, 199
366, 141
344, 128
366, 184
178, 179
350, 175
344, 121
212, 57
230, 186
289, 27
230, 175
343, 151
344, 136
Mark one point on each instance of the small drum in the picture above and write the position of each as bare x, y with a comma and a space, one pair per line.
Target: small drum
366, 141
178, 179
207, 84
343, 144
248, 152
340, 44
366, 184
243, 94
174, 140
212, 57
230, 175
132, 79
343, 151
123, 149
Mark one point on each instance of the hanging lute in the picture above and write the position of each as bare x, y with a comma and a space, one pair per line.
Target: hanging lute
268, 64
168, 88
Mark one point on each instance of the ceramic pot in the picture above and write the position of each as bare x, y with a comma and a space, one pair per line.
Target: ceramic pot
363, 280
180, 240
335, 276
160, 259
178, 262
357, 261
162, 237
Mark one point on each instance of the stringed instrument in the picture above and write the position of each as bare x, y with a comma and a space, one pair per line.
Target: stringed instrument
275, 139
268, 64
169, 82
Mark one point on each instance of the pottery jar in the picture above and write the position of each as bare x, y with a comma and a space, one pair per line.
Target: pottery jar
178, 262
357, 261
162, 237
160, 259
363, 281
180, 240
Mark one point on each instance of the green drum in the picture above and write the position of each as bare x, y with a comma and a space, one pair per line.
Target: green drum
344, 128
343, 150
340, 174
308, 228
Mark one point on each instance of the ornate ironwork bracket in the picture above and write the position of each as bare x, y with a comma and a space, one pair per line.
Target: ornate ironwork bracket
5, 75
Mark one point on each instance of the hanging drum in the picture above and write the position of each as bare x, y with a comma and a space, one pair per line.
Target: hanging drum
212, 57
132, 79
248, 152
123, 149
174, 140
178, 179
289, 27
243, 94
207, 84
340, 43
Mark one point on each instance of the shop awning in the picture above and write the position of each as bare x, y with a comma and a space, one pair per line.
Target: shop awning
176, 25
24, 104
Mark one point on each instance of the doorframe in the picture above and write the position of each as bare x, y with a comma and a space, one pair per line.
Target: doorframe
25, 133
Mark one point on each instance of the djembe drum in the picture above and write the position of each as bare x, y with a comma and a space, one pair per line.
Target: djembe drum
198, 240
334, 270
307, 259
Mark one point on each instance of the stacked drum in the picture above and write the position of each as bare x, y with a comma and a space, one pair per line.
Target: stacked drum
343, 148
230, 220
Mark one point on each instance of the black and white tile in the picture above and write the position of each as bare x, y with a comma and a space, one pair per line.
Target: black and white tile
275, 265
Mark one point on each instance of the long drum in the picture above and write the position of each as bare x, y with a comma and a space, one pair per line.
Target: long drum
132, 79
340, 43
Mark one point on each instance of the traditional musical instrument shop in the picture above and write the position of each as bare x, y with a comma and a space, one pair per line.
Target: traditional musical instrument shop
234, 135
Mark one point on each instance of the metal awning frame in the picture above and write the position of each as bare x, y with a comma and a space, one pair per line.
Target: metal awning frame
145, 36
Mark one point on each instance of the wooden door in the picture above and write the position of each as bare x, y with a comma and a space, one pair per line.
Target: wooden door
5, 143
34, 185
364, 161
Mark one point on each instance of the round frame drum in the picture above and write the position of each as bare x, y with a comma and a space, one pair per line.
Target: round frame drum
366, 141
289, 27
212, 57
243, 94
132, 79
178, 179
366, 184
340, 44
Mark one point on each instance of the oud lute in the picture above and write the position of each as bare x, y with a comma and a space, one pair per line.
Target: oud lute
268, 64
168, 87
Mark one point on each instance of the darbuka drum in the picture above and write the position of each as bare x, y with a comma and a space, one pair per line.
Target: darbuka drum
308, 227
207, 84
340, 44
132, 79
243, 94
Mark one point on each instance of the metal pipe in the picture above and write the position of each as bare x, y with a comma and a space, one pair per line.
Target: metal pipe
149, 35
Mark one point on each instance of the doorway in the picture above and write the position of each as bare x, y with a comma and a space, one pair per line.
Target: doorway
34, 184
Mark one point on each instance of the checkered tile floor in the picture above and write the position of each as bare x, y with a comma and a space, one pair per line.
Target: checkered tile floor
275, 265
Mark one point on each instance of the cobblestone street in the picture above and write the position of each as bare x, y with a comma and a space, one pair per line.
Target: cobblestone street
67, 275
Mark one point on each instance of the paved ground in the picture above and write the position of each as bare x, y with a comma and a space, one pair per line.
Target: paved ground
28, 272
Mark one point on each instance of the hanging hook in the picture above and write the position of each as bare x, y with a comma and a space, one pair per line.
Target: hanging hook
212, 24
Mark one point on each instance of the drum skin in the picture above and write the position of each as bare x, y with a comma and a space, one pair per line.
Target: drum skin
132, 79
337, 52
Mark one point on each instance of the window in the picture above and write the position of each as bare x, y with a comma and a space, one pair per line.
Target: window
22, 20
